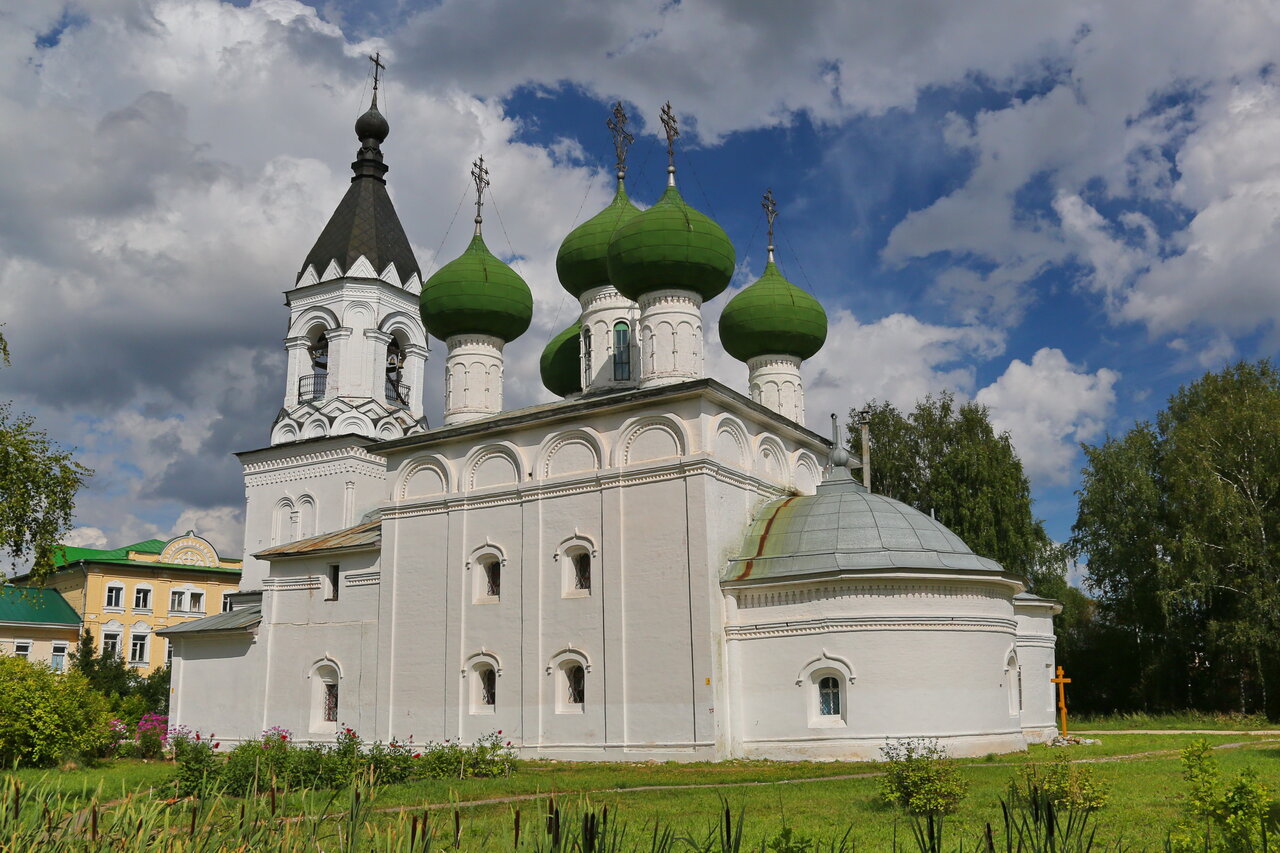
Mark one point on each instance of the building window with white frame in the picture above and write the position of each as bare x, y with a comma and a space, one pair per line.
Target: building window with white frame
115, 597
138, 647
196, 602
226, 602
58, 660
22, 649
142, 598
111, 643
177, 601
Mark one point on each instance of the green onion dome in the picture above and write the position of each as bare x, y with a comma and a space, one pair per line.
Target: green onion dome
670, 245
476, 294
561, 364
582, 262
772, 317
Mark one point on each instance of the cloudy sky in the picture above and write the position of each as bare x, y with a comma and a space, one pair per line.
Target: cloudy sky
1061, 208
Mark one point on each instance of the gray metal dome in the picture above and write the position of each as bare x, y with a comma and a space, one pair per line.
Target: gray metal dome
846, 528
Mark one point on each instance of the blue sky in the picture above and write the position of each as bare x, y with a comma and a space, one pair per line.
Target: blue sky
1064, 210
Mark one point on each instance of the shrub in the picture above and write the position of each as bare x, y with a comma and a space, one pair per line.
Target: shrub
198, 767
925, 784
152, 735
47, 716
1069, 787
1237, 818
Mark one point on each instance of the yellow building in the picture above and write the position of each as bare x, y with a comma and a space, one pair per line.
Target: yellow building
38, 625
124, 595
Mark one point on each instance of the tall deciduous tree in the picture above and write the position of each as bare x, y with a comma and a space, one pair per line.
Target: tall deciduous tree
944, 457
1180, 522
38, 485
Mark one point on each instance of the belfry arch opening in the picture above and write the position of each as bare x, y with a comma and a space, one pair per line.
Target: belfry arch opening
396, 391
312, 385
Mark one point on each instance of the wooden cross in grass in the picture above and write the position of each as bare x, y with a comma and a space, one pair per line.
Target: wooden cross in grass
1062, 683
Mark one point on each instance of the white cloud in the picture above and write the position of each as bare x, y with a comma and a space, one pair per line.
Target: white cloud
86, 537
1048, 407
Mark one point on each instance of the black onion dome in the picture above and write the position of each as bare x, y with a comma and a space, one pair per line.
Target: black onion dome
372, 125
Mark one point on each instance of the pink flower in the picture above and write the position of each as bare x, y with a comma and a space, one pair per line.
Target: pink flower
499, 731
197, 736
218, 744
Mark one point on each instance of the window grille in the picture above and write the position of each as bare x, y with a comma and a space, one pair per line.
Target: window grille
576, 682
829, 696
488, 686
493, 578
582, 571
330, 703
586, 357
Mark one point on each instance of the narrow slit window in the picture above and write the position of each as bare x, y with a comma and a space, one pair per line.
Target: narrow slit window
576, 684
488, 686
582, 571
621, 351
829, 696
331, 584
330, 702
586, 357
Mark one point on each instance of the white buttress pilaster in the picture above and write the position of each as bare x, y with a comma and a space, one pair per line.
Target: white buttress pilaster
775, 384
670, 337
472, 378
342, 368
603, 308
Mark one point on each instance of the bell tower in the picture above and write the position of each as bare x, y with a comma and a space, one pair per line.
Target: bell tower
356, 347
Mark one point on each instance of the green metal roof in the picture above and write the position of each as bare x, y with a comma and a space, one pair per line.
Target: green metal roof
773, 317
36, 605
845, 528
68, 555
670, 245
476, 294
583, 260
561, 362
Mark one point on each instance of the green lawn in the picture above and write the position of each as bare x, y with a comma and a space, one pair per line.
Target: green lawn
1181, 720
1147, 793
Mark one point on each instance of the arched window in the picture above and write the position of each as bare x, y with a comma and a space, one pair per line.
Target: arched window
586, 356
397, 393
324, 698
582, 571
488, 685
492, 578
311, 386
829, 696
1013, 680
621, 351
575, 682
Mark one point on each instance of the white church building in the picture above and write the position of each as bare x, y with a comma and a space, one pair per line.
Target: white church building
653, 566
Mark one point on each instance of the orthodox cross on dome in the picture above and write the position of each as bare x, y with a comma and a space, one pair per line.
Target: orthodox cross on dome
669, 125
480, 175
771, 213
378, 66
622, 140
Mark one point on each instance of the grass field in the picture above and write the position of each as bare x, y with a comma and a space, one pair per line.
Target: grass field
1142, 772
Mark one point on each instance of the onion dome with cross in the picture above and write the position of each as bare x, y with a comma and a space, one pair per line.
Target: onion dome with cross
476, 293
772, 316
671, 245
582, 262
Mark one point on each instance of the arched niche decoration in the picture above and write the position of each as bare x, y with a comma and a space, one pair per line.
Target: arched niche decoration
825, 661
570, 452
354, 423
317, 427
731, 442
808, 473
649, 439
493, 465
357, 315
285, 433
771, 460
425, 477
